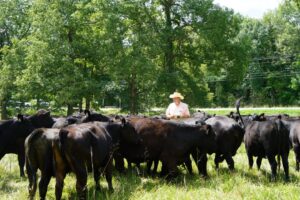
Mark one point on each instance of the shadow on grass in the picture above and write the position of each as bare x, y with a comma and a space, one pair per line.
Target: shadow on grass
126, 185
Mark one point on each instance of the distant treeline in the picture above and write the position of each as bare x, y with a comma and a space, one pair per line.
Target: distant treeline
133, 54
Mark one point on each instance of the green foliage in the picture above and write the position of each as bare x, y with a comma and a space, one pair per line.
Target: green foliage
133, 54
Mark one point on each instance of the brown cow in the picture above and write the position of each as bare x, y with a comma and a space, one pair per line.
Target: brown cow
169, 142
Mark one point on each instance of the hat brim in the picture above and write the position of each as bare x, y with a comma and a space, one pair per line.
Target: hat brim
176, 96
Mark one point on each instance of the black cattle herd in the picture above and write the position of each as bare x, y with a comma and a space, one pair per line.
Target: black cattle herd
91, 142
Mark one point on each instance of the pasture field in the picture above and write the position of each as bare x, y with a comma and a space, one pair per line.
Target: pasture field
222, 184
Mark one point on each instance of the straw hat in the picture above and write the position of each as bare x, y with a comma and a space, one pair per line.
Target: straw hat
176, 95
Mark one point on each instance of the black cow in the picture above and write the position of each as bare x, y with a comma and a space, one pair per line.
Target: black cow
229, 136
76, 118
93, 144
169, 142
14, 132
293, 127
268, 139
94, 117
39, 155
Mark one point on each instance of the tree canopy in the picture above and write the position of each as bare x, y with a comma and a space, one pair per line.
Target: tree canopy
133, 54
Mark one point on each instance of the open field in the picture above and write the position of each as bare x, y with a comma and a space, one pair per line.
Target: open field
222, 184
292, 111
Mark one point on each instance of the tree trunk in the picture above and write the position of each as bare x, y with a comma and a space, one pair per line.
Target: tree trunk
4, 114
38, 103
80, 105
87, 103
169, 49
170, 82
133, 95
70, 109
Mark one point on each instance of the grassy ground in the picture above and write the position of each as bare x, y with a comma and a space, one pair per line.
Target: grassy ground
222, 184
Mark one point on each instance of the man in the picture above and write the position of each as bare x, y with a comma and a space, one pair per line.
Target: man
177, 109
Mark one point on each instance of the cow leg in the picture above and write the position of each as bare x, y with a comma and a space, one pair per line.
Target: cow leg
297, 155
149, 165
119, 162
31, 173
217, 160
202, 165
230, 162
250, 160
273, 164
79, 168
97, 177
285, 164
59, 185
21, 160
155, 166
108, 175
188, 164
60, 174
172, 169
164, 170
258, 162
43, 185
81, 178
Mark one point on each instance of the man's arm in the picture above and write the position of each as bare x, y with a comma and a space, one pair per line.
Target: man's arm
186, 112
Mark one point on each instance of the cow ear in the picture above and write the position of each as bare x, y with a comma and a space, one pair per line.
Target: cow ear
123, 120
47, 114
208, 129
87, 112
20, 117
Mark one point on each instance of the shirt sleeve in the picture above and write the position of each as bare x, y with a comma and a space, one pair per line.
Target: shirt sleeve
186, 111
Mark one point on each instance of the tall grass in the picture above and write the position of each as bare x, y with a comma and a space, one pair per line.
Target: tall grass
221, 184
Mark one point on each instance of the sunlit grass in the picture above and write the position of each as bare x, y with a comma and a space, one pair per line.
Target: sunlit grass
222, 184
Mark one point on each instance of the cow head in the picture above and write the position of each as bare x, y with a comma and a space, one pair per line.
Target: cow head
90, 117
260, 117
20, 117
22, 127
41, 119
128, 132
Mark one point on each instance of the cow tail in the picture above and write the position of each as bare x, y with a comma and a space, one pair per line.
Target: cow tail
283, 139
30, 153
29, 141
237, 105
62, 135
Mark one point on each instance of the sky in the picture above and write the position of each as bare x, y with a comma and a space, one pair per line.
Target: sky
250, 8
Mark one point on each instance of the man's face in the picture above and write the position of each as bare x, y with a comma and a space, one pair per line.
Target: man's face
176, 100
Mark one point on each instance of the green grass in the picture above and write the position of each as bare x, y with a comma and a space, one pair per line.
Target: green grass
222, 184
292, 111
